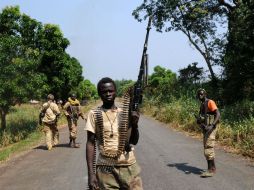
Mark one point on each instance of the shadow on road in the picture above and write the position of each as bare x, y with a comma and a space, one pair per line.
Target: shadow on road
186, 169
63, 145
43, 147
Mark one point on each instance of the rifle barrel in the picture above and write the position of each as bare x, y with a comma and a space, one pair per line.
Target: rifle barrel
142, 65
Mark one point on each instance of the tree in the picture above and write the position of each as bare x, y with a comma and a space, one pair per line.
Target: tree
198, 20
18, 79
122, 86
33, 61
86, 90
239, 57
191, 74
161, 83
64, 73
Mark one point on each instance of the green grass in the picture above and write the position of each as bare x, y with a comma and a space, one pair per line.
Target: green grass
31, 140
23, 131
232, 132
21, 121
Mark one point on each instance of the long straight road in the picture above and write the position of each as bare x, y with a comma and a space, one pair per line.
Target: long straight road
169, 161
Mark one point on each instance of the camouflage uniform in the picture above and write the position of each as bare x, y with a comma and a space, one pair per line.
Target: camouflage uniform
121, 177
123, 173
209, 140
208, 119
50, 125
209, 144
72, 111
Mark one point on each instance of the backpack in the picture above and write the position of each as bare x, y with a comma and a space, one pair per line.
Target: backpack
42, 113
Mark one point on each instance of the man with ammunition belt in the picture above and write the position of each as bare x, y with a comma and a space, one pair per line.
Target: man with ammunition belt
72, 111
48, 118
208, 120
107, 125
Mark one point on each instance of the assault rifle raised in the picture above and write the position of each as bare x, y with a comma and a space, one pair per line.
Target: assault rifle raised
141, 83
136, 98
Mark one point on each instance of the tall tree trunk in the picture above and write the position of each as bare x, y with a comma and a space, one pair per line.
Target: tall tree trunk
206, 55
213, 77
3, 119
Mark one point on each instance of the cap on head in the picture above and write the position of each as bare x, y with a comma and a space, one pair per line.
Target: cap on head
50, 97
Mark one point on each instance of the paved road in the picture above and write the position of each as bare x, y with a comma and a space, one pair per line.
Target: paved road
169, 161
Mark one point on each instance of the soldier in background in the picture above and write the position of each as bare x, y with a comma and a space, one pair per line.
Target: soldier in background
72, 111
48, 115
208, 120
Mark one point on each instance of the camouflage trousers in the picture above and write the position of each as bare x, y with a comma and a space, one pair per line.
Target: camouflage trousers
120, 177
51, 135
209, 144
72, 124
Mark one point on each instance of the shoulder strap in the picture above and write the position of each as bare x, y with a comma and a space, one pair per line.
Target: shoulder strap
206, 105
206, 109
45, 108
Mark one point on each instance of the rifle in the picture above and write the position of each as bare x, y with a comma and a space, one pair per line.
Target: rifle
141, 83
201, 122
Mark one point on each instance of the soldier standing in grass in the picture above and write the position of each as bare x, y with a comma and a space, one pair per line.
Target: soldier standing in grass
49, 115
116, 167
72, 111
208, 120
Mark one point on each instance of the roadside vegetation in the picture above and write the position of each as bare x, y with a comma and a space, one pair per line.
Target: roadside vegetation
171, 99
236, 134
23, 130
34, 62
222, 32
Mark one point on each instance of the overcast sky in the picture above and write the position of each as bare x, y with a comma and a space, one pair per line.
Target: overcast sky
106, 39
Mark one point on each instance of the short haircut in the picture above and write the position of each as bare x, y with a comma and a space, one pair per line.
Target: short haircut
50, 97
103, 81
201, 89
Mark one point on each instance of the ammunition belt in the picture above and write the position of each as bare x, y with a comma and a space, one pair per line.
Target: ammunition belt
122, 130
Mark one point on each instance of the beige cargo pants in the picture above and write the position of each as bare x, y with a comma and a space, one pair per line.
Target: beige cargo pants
51, 135
72, 125
209, 144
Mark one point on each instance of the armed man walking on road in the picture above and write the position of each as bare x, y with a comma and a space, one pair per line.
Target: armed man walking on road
48, 118
72, 111
107, 125
208, 120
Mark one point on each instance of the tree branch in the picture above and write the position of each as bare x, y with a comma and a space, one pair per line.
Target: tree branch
224, 3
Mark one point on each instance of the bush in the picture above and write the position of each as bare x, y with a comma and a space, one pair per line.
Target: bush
21, 121
236, 128
238, 111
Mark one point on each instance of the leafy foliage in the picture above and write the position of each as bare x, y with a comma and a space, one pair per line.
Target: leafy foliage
191, 74
34, 61
239, 58
161, 84
86, 90
198, 20
19, 79
122, 86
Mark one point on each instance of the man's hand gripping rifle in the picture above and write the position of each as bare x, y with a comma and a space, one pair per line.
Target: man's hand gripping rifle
206, 129
136, 99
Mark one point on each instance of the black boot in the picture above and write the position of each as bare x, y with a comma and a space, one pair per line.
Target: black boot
70, 143
213, 167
